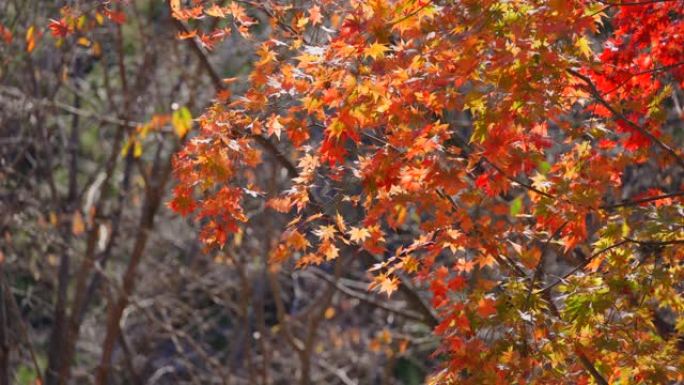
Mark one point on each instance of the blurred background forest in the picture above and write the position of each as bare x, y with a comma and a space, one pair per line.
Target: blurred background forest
88, 127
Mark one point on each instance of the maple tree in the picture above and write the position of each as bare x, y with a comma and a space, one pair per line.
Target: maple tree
483, 150
476, 191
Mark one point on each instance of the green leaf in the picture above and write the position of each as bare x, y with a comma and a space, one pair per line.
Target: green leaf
543, 167
516, 206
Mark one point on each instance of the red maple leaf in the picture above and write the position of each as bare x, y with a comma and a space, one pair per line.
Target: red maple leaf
59, 28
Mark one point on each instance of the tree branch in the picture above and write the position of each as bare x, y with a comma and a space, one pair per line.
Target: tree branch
218, 85
589, 366
368, 299
596, 254
591, 87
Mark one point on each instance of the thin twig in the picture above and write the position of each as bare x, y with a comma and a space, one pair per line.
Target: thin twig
656, 243
514, 180
540, 264
367, 298
581, 266
69, 109
641, 200
22, 326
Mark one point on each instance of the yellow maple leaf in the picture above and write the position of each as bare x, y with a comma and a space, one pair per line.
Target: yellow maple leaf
329, 250
583, 46
375, 50
387, 284
31, 37
540, 182
339, 221
302, 22
409, 264
215, 11
181, 120
325, 233
358, 234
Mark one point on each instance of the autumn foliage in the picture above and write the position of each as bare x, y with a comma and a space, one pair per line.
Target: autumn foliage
499, 135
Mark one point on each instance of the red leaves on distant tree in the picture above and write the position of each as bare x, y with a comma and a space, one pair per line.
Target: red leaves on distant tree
5, 34
59, 28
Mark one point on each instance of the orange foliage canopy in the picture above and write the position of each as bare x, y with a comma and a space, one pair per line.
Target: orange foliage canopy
502, 135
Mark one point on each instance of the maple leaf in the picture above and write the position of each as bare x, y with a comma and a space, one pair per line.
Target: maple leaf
315, 15
326, 233
296, 240
59, 28
314, 217
181, 120
486, 307
409, 264
207, 41
215, 11
5, 34
485, 260
186, 35
118, 17
309, 259
595, 263
280, 204
182, 202
77, 224
237, 11
385, 284
540, 182
375, 51
329, 250
463, 265
358, 234
302, 22
185, 14
32, 37
339, 221
583, 45
482, 181
274, 126
457, 283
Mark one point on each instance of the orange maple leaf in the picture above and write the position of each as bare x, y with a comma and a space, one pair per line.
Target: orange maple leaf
315, 15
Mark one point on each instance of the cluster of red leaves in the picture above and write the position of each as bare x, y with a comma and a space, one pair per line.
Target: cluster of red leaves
457, 122
74, 20
208, 164
5, 34
644, 53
